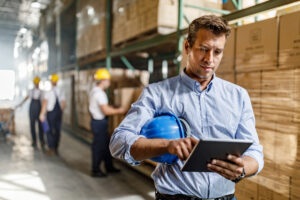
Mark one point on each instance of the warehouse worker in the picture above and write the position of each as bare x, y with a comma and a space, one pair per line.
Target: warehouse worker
99, 109
35, 96
53, 106
214, 108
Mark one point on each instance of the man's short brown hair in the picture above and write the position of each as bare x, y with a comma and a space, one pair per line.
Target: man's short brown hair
217, 25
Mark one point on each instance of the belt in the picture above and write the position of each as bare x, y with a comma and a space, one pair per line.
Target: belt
159, 196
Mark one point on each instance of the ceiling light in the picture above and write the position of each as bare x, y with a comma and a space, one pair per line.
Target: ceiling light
36, 5
23, 30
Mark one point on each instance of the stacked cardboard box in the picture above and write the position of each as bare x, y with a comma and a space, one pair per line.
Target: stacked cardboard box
256, 46
124, 97
274, 89
289, 45
90, 27
83, 84
7, 118
67, 85
132, 18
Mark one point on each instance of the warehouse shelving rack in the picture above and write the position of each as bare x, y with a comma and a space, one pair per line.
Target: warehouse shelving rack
105, 59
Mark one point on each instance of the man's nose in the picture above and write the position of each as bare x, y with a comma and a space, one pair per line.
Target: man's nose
208, 58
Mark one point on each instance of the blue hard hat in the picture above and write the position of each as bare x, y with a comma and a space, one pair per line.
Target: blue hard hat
166, 126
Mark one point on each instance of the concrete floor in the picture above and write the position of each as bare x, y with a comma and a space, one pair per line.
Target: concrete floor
28, 174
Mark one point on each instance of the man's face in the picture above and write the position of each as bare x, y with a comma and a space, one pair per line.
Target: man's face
205, 55
106, 83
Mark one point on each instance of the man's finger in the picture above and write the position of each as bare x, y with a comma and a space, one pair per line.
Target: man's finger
237, 160
221, 170
194, 141
179, 153
185, 151
188, 145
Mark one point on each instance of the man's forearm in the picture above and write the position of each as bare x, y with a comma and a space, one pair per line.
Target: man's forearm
44, 108
147, 148
251, 165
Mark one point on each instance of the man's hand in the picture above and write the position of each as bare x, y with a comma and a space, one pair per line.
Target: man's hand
182, 147
42, 118
122, 110
228, 170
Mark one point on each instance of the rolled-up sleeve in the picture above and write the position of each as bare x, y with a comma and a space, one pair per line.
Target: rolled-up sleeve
247, 130
129, 130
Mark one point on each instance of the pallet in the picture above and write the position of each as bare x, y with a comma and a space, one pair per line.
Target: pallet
91, 58
143, 36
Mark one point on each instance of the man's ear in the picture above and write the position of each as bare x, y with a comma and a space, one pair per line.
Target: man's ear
186, 47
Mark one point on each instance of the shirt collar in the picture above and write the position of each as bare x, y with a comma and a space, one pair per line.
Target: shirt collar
195, 85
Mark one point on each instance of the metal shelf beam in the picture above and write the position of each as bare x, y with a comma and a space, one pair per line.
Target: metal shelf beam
268, 5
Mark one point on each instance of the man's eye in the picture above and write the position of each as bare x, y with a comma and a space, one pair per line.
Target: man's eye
217, 52
203, 49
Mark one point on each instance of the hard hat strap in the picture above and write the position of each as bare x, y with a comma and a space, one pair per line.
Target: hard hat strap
186, 126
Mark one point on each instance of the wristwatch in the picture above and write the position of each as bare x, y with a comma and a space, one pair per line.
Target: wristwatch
243, 174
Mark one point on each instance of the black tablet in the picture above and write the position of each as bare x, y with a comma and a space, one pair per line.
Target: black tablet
208, 149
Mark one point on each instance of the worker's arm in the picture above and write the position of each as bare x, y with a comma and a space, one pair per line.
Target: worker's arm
147, 148
43, 110
63, 105
109, 110
24, 100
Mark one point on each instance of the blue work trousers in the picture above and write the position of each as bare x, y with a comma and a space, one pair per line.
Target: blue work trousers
34, 112
54, 118
100, 146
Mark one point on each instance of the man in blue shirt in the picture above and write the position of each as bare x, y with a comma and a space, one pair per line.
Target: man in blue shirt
213, 107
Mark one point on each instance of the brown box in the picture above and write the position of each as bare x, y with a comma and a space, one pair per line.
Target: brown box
227, 63
227, 76
279, 100
246, 190
252, 82
7, 117
289, 40
256, 46
91, 27
124, 97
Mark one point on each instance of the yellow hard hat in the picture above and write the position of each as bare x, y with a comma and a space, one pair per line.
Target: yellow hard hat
102, 74
54, 78
36, 80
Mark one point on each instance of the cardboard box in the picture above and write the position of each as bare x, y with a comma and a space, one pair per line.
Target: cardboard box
124, 97
256, 46
246, 189
289, 40
91, 27
252, 82
7, 117
227, 76
279, 101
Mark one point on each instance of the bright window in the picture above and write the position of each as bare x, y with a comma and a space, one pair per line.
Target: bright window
7, 84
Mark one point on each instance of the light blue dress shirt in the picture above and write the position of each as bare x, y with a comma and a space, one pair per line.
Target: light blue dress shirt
222, 110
